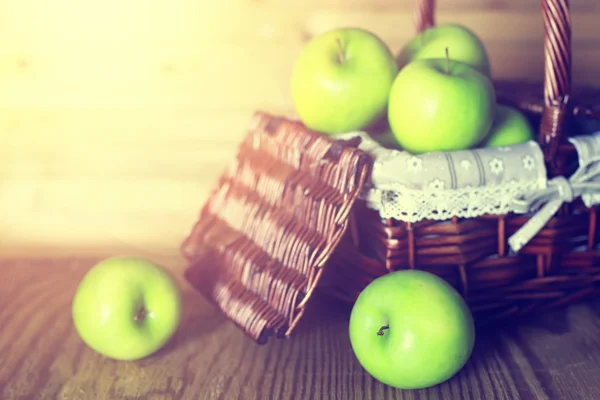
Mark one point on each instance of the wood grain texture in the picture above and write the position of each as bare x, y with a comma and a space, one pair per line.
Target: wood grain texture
552, 356
116, 119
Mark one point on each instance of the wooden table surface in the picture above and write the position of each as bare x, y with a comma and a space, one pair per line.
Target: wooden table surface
552, 356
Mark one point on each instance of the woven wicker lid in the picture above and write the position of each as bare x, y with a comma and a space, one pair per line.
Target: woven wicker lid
277, 213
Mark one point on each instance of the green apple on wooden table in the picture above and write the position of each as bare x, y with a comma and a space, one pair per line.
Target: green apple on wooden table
411, 329
126, 307
510, 127
465, 45
440, 105
341, 81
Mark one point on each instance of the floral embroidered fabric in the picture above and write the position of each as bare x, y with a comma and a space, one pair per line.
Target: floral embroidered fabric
441, 185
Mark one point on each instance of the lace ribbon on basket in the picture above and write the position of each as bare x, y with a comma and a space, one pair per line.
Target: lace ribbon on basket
584, 183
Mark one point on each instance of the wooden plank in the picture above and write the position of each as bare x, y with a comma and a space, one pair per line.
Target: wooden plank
264, 83
50, 45
409, 5
245, 75
185, 53
90, 177
492, 26
101, 213
67, 139
139, 27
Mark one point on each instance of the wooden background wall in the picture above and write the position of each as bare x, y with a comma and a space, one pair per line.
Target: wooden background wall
117, 116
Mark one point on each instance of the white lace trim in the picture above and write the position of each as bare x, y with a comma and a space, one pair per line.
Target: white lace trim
411, 205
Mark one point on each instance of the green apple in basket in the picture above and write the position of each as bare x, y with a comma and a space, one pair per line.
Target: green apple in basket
126, 308
466, 47
510, 127
440, 105
341, 81
411, 329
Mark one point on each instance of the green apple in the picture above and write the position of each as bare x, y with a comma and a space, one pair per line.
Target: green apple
431, 43
341, 81
440, 105
510, 127
410, 329
126, 307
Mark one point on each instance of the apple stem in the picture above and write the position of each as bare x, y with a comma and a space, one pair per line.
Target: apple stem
341, 56
380, 331
447, 61
140, 315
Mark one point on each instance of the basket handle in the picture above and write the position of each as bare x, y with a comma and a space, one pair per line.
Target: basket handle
424, 14
557, 66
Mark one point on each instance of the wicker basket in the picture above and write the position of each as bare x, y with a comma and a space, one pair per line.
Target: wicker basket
286, 217
559, 265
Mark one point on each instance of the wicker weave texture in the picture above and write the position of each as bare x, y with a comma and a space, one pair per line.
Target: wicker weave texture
560, 265
260, 242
